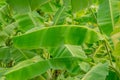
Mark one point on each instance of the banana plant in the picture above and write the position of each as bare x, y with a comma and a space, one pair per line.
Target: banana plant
59, 40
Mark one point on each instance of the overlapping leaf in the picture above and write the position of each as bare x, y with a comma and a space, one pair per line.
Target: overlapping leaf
68, 50
60, 16
80, 4
108, 14
98, 72
35, 67
28, 21
23, 6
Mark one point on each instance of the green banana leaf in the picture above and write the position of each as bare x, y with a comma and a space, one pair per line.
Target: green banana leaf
36, 66
8, 54
108, 14
98, 72
28, 21
78, 5
60, 16
67, 50
23, 6
56, 36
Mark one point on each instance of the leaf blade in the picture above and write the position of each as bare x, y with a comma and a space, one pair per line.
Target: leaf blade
75, 35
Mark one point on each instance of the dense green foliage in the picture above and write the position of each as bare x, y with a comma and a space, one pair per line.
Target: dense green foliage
59, 40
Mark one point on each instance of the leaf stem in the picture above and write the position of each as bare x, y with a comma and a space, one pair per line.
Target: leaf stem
109, 54
97, 50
